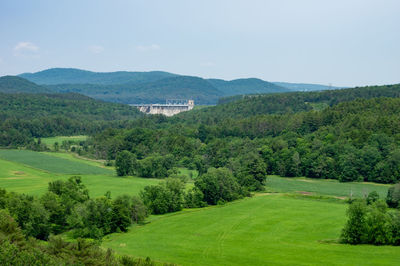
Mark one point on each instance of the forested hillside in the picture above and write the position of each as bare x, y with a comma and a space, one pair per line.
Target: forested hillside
179, 87
305, 86
356, 140
23, 116
77, 76
13, 84
246, 86
151, 87
249, 105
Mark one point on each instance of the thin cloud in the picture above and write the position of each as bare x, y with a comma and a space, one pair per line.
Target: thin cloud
26, 49
207, 64
146, 48
96, 49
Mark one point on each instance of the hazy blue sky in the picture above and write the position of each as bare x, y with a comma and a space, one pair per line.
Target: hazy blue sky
343, 42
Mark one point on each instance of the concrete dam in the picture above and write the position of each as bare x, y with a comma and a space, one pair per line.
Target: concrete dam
170, 108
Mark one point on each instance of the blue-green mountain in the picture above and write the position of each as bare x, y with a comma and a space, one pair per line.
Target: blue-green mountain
153, 86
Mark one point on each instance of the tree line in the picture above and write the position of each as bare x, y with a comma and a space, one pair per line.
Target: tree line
351, 141
370, 221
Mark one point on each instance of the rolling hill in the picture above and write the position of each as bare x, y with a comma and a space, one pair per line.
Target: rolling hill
77, 76
246, 86
13, 84
305, 86
154, 86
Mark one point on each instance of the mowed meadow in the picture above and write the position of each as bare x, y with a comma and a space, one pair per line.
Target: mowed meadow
30, 172
296, 221
267, 229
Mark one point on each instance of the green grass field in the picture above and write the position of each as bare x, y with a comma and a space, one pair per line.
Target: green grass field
269, 229
53, 164
50, 141
283, 228
324, 187
29, 179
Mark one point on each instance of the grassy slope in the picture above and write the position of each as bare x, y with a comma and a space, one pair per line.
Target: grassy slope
263, 230
23, 178
50, 141
51, 163
324, 187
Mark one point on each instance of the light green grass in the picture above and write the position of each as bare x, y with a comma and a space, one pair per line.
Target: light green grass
47, 162
21, 178
50, 141
191, 174
77, 158
263, 230
324, 187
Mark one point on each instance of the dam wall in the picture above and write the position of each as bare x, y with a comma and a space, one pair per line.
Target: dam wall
168, 109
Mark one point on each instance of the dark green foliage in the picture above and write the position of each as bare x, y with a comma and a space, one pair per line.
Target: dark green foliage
155, 166
393, 196
31, 216
16, 250
371, 224
372, 197
194, 198
125, 163
13, 84
379, 225
355, 230
166, 197
218, 185
92, 218
128, 210
25, 116
352, 141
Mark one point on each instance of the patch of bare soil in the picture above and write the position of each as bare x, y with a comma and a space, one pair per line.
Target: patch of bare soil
304, 192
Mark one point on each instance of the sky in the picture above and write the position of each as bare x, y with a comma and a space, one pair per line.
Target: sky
335, 42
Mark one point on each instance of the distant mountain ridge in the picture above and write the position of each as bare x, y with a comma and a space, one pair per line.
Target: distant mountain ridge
153, 86
13, 84
306, 86
55, 76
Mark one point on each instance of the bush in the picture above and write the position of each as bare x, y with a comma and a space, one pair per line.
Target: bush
355, 229
194, 198
165, 197
393, 196
218, 184
371, 224
125, 163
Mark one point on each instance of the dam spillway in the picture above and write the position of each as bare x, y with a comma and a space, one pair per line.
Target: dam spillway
170, 108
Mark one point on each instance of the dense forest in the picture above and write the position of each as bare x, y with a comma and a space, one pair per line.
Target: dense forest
13, 84
348, 134
351, 141
27, 116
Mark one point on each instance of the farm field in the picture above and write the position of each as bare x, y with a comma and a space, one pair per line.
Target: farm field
324, 186
50, 141
268, 229
22, 178
47, 162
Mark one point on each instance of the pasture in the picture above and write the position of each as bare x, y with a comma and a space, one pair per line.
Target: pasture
268, 229
53, 164
324, 186
50, 141
30, 179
